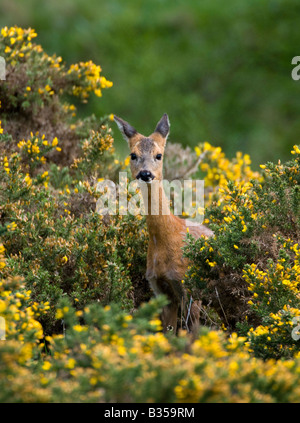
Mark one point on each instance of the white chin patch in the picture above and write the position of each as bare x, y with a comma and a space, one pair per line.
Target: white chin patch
147, 182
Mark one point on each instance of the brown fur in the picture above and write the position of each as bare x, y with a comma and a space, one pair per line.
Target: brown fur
166, 266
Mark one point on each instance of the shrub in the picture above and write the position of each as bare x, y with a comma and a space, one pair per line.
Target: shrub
53, 237
37, 89
249, 271
104, 354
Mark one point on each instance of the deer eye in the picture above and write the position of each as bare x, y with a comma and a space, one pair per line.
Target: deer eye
158, 156
133, 156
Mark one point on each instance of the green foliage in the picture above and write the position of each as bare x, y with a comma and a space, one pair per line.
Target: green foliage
249, 271
52, 234
104, 354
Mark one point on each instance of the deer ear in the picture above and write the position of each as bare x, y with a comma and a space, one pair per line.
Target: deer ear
163, 126
127, 130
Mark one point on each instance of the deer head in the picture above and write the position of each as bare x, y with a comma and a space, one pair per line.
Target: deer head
146, 152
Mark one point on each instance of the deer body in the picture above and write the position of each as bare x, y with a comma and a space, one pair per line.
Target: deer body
166, 266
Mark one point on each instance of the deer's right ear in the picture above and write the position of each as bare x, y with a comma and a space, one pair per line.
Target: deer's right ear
163, 126
127, 130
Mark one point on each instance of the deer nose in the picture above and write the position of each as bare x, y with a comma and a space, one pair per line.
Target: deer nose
145, 175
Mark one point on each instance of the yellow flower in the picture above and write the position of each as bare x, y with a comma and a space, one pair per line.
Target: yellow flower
93, 380
12, 226
46, 366
28, 180
70, 363
198, 151
79, 328
126, 161
59, 314
54, 142
44, 380
296, 150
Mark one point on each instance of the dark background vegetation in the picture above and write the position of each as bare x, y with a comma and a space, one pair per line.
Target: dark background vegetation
222, 71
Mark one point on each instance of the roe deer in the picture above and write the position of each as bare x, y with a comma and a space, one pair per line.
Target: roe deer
166, 266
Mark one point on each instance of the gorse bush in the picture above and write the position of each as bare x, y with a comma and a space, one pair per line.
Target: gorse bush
52, 235
250, 270
105, 348
38, 86
44, 76
79, 326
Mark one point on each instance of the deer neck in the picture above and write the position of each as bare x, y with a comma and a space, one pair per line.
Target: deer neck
157, 207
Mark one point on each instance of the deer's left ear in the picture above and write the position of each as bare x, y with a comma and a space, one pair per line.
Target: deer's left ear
163, 126
127, 130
